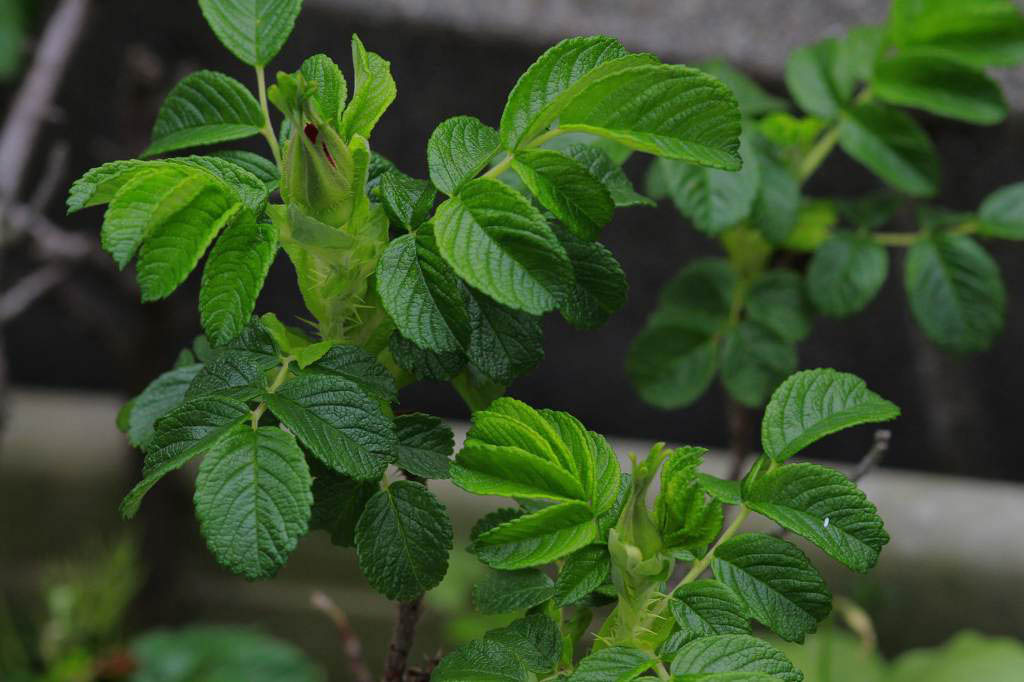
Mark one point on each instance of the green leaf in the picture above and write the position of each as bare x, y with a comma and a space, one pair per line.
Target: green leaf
206, 107
725, 490
331, 88
823, 506
500, 244
255, 30
263, 168
188, 430
706, 608
753, 100
980, 33
818, 79
775, 581
338, 502
403, 539
341, 425
250, 189
485, 469
421, 293
685, 518
956, 292
236, 374
233, 277
358, 366
600, 288
407, 201
815, 403
253, 499
583, 572
892, 146
425, 364
537, 538
613, 664
814, 224
925, 80
671, 366
725, 677
697, 119
754, 362
560, 74
1002, 213
481, 660
162, 395
374, 92
100, 184
846, 273
536, 640
458, 150
177, 234
293, 341
776, 300
714, 200
599, 164
733, 654
567, 189
510, 591
425, 445
777, 205
503, 343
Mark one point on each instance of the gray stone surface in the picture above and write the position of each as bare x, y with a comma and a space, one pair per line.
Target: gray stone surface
757, 35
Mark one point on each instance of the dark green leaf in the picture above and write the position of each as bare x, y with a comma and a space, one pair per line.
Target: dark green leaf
776, 583
481, 660
777, 302
892, 146
818, 79
357, 365
1002, 213
425, 364
600, 288
583, 572
536, 640
733, 654
425, 445
408, 201
604, 168
458, 149
567, 189
235, 373
777, 204
613, 664
253, 499
162, 395
846, 273
403, 539
751, 97
509, 591
705, 608
980, 33
338, 502
755, 361
503, 343
671, 366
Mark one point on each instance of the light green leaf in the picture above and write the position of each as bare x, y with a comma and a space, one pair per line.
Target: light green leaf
503, 343
613, 664
610, 174
705, 608
725, 490
980, 33
684, 516
815, 403
206, 107
510, 591
567, 189
1002, 213
846, 273
956, 292
338, 502
162, 395
263, 168
331, 88
485, 469
753, 100
925, 80
776, 583
254, 30
697, 119
374, 92
294, 342
253, 499
536, 640
583, 572
233, 277
814, 224
600, 288
754, 362
341, 425
403, 539
537, 538
500, 244
714, 200
407, 201
188, 430
481, 660
250, 189
733, 654
421, 293
358, 366
776, 301
892, 146
818, 79
425, 445
559, 75
100, 184
823, 506
458, 150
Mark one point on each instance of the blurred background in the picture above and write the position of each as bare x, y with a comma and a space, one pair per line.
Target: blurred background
77, 341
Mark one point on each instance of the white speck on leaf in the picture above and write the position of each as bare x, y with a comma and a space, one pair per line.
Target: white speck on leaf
825, 524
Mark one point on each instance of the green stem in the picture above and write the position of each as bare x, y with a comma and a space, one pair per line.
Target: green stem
662, 671
500, 167
282, 374
700, 565
268, 130
476, 398
903, 239
505, 163
818, 153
